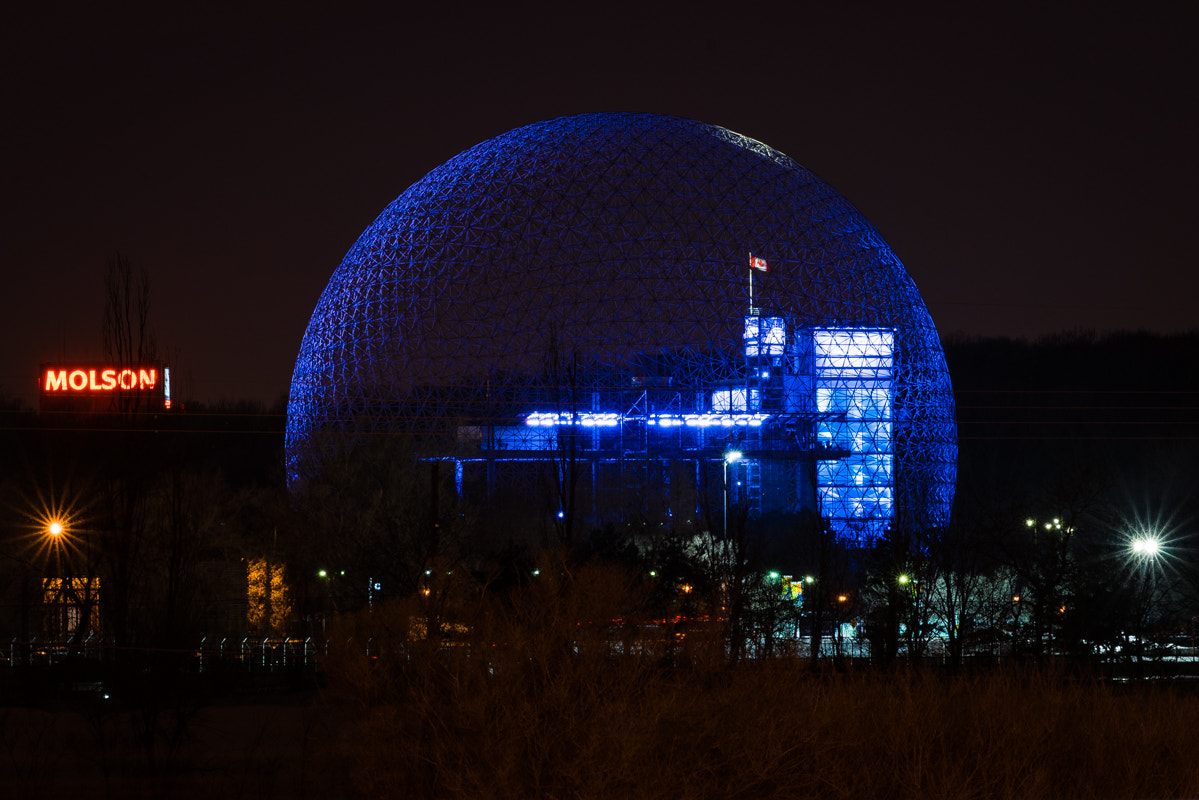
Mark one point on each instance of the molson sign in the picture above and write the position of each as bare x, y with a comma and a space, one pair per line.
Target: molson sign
98, 388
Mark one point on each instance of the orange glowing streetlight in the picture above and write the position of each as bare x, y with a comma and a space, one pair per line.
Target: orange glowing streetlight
55, 539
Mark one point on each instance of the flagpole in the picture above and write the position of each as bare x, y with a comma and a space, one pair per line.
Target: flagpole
754, 264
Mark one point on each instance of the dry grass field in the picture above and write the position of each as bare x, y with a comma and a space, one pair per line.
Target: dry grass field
280, 749
528, 702
548, 710
772, 730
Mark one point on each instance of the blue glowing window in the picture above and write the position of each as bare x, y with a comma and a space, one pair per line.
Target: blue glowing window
737, 400
853, 386
849, 352
765, 336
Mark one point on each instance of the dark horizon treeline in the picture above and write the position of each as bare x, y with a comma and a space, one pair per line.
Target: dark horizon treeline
1118, 413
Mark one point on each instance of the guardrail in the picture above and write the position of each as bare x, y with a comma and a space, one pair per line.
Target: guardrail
250, 653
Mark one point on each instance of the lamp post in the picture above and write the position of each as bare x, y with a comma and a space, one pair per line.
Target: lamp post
1146, 548
1047, 568
55, 539
729, 457
52, 539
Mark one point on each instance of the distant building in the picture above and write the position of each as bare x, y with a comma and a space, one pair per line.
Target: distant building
629, 317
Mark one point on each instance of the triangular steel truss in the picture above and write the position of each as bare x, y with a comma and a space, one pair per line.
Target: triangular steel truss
572, 264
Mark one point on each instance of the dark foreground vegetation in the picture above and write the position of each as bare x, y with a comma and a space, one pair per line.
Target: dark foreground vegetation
531, 704
517, 699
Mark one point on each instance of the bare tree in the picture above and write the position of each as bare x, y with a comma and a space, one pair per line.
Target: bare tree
965, 584
128, 341
128, 338
186, 508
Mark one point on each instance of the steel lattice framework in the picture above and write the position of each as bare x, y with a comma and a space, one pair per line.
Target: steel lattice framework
584, 287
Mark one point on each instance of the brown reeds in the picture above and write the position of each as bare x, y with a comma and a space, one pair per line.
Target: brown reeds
535, 702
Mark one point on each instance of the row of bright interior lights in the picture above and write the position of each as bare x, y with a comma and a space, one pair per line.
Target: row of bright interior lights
590, 419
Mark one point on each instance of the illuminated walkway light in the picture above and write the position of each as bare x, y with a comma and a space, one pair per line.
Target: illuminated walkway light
611, 420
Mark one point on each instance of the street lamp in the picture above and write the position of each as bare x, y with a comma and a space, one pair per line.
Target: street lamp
729, 457
56, 540
55, 536
1146, 547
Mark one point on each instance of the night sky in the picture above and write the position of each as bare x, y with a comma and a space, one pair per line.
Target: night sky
1035, 171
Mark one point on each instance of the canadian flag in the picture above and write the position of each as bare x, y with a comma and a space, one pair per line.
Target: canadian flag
757, 263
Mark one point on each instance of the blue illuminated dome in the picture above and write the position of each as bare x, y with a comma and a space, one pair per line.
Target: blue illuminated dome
564, 312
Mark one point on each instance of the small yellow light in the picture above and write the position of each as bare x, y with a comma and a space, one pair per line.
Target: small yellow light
55, 528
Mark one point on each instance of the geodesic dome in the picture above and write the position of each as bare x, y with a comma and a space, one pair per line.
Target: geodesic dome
589, 277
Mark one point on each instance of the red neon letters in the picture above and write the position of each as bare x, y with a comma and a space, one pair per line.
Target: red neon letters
99, 380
